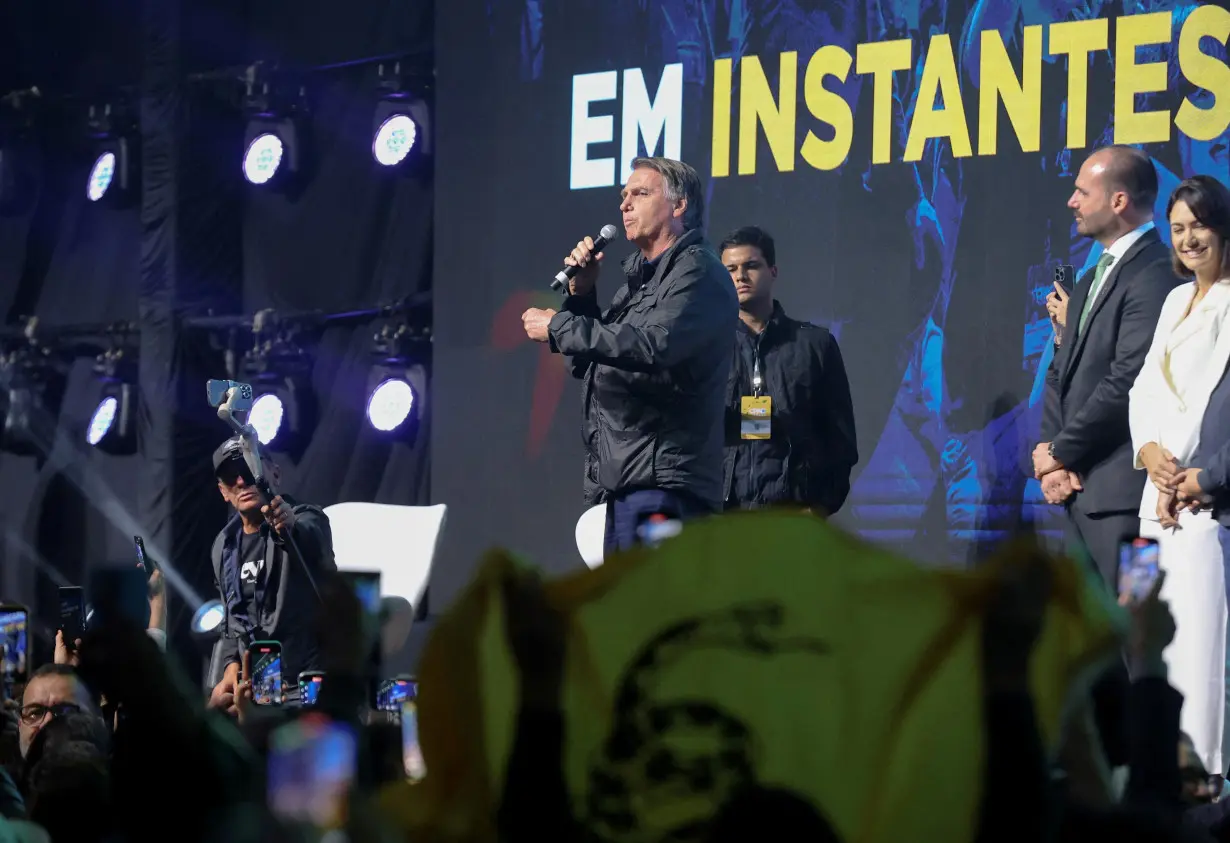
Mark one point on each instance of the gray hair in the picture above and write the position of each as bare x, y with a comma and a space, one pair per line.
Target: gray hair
682, 182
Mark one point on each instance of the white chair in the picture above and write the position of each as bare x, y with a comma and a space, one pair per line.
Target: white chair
398, 541
591, 534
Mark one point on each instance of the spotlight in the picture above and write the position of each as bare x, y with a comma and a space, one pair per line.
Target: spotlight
390, 404
395, 400
397, 385
100, 176
113, 425
113, 174
279, 369
401, 128
207, 619
266, 416
101, 421
263, 158
274, 141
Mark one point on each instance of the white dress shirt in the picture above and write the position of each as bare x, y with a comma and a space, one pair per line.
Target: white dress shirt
1117, 250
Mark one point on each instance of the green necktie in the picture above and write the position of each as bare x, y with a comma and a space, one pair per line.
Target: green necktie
1099, 273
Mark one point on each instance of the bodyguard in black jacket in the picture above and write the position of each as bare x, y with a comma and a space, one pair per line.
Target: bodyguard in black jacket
265, 592
790, 436
654, 363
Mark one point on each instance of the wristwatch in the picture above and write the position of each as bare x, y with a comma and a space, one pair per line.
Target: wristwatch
1050, 449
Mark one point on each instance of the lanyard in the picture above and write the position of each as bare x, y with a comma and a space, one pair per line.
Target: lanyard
757, 380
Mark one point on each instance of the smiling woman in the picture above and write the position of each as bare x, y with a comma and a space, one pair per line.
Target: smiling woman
1199, 214
1167, 409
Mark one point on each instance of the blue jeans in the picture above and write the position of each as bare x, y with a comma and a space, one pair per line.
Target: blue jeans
627, 512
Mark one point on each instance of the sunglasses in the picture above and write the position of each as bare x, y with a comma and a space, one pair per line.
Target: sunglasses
231, 470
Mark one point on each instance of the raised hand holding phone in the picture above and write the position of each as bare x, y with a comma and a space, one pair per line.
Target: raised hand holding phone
1139, 569
1057, 309
1152, 630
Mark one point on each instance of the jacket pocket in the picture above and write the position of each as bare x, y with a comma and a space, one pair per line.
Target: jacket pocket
626, 459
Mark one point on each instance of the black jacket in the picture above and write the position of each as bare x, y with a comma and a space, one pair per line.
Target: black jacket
290, 607
812, 447
1213, 453
1086, 411
654, 366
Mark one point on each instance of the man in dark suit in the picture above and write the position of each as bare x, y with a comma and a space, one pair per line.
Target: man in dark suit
1085, 459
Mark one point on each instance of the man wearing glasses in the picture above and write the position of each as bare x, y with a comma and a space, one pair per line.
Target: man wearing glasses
265, 592
53, 691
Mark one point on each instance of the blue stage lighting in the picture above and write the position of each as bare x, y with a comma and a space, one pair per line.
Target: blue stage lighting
390, 404
262, 158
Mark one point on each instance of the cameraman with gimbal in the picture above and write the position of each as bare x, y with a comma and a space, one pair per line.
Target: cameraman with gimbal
266, 594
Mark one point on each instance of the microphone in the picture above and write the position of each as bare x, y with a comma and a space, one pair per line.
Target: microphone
605, 236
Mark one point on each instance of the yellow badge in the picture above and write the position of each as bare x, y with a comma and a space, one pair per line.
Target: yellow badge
756, 417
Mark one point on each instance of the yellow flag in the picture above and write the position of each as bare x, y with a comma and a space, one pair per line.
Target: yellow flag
766, 648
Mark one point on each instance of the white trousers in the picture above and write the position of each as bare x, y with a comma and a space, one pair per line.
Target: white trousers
1195, 588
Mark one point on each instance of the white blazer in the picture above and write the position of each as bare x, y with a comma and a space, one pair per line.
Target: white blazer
1184, 364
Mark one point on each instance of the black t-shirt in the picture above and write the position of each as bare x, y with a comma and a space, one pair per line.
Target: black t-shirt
251, 571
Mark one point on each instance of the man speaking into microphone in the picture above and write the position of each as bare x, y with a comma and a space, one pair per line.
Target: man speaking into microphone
655, 362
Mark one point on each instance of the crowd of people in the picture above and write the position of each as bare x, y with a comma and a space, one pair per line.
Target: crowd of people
702, 396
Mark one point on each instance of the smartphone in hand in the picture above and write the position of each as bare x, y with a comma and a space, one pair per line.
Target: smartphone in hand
309, 687
72, 615
1139, 566
145, 562
312, 766
266, 672
14, 643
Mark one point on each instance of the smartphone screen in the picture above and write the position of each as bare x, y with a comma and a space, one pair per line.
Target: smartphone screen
1138, 567
312, 763
394, 692
72, 614
412, 753
265, 658
14, 624
309, 687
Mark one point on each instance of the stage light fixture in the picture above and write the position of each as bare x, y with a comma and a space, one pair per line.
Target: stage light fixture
263, 158
100, 176
266, 416
279, 369
113, 174
390, 404
396, 398
207, 620
395, 138
31, 392
397, 385
401, 127
113, 424
275, 138
112, 428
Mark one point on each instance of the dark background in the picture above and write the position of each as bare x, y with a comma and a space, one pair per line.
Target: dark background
203, 242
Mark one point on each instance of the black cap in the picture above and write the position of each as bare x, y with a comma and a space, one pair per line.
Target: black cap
231, 449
